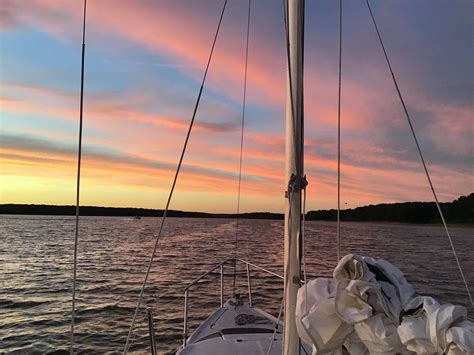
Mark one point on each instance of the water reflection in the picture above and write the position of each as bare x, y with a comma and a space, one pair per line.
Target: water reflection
35, 272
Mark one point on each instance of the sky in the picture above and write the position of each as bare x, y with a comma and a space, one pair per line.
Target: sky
144, 63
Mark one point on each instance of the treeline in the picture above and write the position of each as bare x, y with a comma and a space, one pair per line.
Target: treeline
52, 210
458, 211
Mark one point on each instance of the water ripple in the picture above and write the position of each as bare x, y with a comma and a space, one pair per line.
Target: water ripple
36, 270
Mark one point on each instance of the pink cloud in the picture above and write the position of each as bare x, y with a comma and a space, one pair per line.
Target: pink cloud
183, 34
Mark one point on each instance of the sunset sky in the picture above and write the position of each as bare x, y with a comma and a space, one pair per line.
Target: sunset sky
144, 63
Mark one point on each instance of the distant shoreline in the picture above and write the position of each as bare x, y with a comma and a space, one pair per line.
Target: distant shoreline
460, 211
53, 210
70, 217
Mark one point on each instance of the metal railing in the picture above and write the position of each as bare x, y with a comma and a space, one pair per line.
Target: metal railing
233, 262
151, 330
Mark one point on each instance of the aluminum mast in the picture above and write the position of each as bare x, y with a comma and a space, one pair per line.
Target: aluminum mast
294, 170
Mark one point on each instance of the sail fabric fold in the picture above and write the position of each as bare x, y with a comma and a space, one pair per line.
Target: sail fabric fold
428, 327
321, 326
369, 307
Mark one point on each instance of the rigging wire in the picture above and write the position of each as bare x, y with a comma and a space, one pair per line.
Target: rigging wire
419, 152
276, 327
339, 138
175, 179
241, 146
303, 17
304, 182
303, 245
78, 182
162, 306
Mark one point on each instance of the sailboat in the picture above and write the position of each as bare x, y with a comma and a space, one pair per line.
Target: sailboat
238, 326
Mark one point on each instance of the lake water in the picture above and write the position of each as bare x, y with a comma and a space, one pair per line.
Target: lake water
36, 269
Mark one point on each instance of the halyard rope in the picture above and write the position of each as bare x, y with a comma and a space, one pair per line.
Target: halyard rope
174, 180
420, 153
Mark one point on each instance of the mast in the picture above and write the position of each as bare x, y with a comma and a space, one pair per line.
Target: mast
293, 170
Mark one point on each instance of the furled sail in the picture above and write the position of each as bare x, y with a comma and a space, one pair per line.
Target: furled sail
369, 307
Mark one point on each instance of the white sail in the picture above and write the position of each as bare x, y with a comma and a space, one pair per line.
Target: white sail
369, 307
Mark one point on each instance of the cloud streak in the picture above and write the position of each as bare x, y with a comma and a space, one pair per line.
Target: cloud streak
145, 110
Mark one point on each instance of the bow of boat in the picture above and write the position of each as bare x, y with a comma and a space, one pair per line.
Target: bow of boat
236, 328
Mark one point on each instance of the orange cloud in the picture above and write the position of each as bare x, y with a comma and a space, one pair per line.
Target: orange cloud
171, 30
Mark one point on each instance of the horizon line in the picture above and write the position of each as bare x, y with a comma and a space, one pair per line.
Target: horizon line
219, 213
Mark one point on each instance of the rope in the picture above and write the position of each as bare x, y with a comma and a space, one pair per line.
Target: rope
339, 139
420, 153
241, 145
175, 179
78, 183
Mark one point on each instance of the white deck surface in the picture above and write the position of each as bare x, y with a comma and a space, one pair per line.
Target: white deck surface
237, 328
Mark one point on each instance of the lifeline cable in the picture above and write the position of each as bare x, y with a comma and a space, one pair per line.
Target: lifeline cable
419, 152
175, 179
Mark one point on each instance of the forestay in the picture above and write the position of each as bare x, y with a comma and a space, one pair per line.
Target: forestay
369, 307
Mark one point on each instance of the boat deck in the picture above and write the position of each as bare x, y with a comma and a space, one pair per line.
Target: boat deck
236, 328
